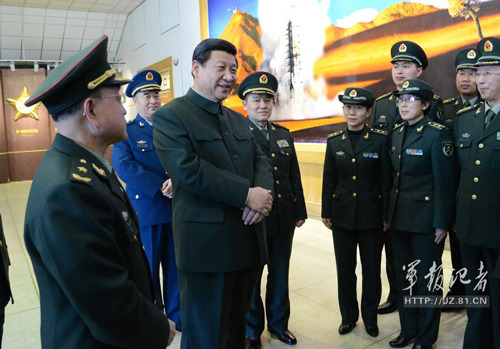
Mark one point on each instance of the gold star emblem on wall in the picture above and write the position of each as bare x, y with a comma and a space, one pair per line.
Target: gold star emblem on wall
22, 110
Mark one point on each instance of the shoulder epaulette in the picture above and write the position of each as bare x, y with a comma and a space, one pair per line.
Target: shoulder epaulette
471, 107
436, 125
376, 130
279, 126
335, 134
81, 172
398, 125
436, 97
384, 96
450, 100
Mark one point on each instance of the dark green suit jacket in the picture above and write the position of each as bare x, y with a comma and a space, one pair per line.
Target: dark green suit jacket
213, 160
385, 114
425, 178
356, 182
289, 205
478, 199
5, 290
81, 233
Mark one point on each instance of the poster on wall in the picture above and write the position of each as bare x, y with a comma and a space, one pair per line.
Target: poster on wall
317, 48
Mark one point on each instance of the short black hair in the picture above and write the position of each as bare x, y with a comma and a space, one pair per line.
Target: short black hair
203, 51
72, 109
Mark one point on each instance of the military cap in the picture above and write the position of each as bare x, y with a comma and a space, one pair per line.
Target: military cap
410, 52
258, 82
417, 88
76, 78
489, 51
146, 80
466, 59
356, 95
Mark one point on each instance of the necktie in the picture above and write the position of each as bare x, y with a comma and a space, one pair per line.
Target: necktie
488, 118
466, 104
265, 133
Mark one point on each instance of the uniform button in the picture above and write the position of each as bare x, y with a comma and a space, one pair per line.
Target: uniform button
273, 155
427, 198
397, 191
399, 156
353, 178
333, 195
137, 196
379, 196
235, 156
474, 197
277, 182
143, 149
478, 162
226, 133
279, 196
461, 145
476, 179
397, 174
354, 194
480, 145
275, 168
135, 237
353, 160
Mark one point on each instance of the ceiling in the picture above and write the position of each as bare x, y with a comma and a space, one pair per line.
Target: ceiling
53, 30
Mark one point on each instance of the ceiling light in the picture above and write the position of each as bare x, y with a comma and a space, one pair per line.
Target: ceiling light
35, 66
12, 66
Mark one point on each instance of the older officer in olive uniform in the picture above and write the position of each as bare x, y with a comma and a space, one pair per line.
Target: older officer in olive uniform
289, 210
477, 137
408, 62
5, 291
222, 191
81, 231
149, 187
465, 82
421, 210
356, 182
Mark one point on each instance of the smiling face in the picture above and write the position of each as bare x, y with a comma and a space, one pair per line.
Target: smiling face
147, 102
403, 70
216, 78
356, 116
259, 107
411, 108
466, 82
488, 84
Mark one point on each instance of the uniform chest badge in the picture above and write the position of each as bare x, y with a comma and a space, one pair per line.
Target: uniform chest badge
125, 216
282, 143
142, 144
465, 136
383, 117
448, 148
340, 154
415, 152
370, 155
498, 136
141, 123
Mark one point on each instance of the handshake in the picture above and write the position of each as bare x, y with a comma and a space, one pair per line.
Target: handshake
258, 205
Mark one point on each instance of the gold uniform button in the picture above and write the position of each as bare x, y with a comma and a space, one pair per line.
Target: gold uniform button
474, 197
137, 196
480, 145
273, 155
461, 145
397, 174
399, 156
478, 162
397, 191
275, 168
353, 160
333, 195
135, 237
143, 149
476, 179
353, 178
427, 198
354, 194
279, 196
277, 182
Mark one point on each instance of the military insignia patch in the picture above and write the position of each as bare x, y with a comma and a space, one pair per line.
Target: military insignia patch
80, 178
282, 143
498, 136
149, 76
82, 169
471, 54
125, 215
414, 152
465, 137
448, 148
420, 129
99, 170
263, 79
366, 136
406, 84
340, 154
382, 117
353, 93
488, 46
457, 102
141, 123
370, 155
344, 137
142, 144
83, 161
402, 48
478, 111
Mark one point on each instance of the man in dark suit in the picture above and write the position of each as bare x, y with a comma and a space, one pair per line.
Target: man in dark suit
465, 82
477, 139
258, 92
5, 291
149, 188
81, 231
408, 62
221, 191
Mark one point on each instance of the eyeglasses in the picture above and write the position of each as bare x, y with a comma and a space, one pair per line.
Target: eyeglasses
486, 74
120, 97
407, 99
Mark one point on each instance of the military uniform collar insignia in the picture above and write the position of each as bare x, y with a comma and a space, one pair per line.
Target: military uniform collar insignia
83, 161
344, 136
419, 130
99, 170
367, 135
82, 169
141, 123
250, 127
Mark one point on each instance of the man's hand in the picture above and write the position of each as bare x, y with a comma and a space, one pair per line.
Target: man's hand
251, 216
440, 235
172, 332
260, 199
299, 223
166, 188
327, 222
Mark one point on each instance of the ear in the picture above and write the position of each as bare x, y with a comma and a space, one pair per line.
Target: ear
419, 71
369, 112
426, 105
244, 102
89, 111
195, 68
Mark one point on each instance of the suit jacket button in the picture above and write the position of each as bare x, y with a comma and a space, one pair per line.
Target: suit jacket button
275, 168
476, 179
427, 198
273, 155
353, 178
137, 196
480, 145
474, 197
353, 160
478, 162
354, 194
277, 182
279, 196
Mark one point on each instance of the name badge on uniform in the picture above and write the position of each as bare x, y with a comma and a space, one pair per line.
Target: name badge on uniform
142, 144
282, 143
340, 154
370, 155
418, 152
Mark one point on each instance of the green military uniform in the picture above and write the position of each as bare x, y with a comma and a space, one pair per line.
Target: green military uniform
356, 182
477, 207
213, 160
422, 199
5, 291
81, 231
451, 107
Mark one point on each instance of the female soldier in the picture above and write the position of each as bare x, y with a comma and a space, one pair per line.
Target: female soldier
356, 183
421, 210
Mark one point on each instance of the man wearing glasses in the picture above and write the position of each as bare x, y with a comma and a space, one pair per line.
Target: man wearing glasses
477, 139
149, 188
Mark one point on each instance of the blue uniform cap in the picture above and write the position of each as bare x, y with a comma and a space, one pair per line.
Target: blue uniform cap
146, 80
